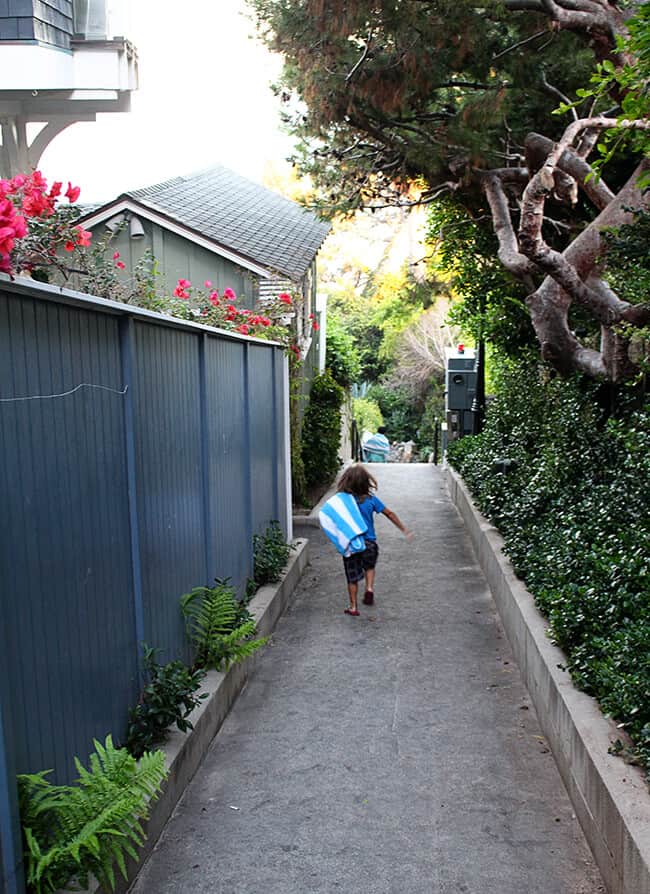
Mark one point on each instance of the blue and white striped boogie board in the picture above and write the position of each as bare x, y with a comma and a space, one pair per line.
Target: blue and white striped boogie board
343, 523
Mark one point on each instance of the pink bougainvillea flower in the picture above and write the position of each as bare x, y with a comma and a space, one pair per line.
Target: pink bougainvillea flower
229, 294
83, 237
69, 246
72, 193
266, 321
311, 316
57, 186
285, 297
20, 226
214, 299
208, 284
116, 255
120, 265
38, 180
230, 307
18, 182
184, 284
315, 326
243, 329
181, 293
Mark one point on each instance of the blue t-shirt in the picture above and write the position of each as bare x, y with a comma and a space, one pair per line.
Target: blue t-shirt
367, 508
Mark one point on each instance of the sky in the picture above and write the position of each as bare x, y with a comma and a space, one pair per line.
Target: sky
204, 98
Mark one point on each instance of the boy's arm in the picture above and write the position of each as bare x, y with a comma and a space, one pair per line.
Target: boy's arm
392, 516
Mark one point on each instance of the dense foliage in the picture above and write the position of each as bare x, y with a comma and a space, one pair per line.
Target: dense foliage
220, 627
492, 305
168, 698
367, 414
575, 515
270, 555
321, 435
411, 101
342, 355
73, 831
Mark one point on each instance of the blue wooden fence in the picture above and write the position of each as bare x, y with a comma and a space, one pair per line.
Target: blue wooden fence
138, 456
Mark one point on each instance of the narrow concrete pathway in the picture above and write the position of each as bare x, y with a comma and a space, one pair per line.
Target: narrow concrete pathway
396, 753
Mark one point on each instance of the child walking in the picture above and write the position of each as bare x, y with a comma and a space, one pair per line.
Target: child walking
356, 480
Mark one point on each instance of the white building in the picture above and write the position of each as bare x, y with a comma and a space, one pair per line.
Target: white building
60, 64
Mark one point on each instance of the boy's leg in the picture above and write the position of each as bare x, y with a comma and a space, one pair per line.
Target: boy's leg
353, 574
368, 598
370, 560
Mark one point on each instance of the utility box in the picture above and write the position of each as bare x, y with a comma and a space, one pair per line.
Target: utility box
460, 391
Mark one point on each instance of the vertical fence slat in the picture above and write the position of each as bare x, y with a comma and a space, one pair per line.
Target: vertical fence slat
205, 463
127, 347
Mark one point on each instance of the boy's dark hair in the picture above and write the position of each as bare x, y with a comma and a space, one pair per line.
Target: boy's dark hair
357, 480
381, 430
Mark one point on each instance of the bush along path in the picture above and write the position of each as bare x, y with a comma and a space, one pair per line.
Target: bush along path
574, 511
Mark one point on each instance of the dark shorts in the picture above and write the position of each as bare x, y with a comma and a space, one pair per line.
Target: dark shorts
358, 563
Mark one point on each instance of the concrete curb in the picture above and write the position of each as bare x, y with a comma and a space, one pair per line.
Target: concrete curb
185, 751
610, 797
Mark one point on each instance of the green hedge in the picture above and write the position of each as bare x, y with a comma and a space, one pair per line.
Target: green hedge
575, 516
321, 432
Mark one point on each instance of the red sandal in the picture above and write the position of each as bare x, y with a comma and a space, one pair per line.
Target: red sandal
351, 611
369, 597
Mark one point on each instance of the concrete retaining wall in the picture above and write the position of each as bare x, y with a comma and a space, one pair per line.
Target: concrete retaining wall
610, 797
185, 751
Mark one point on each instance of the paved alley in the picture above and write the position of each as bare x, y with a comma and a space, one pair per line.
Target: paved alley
395, 753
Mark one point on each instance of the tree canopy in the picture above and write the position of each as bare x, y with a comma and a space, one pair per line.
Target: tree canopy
395, 101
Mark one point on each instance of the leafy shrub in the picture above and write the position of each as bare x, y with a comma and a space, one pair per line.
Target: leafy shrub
72, 831
321, 434
401, 411
367, 414
575, 516
220, 627
342, 356
270, 555
167, 698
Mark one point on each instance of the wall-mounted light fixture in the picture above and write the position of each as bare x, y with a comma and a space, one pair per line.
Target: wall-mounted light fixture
136, 230
115, 223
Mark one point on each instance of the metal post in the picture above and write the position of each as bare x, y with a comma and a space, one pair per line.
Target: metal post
10, 847
208, 535
127, 346
478, 404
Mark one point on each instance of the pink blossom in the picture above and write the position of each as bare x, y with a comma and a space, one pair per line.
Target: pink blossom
285, 298
20, 226
214, 298
208, 284
229, 294
83, 236
18, 182
72, 192
184, 283
315, 327
69, 246
120, 265
57, 186
243, 329
116, 255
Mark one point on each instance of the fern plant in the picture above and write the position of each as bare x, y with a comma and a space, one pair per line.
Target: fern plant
71, 831
220, 628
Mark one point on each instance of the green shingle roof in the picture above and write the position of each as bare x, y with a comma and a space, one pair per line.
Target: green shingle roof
240, 215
